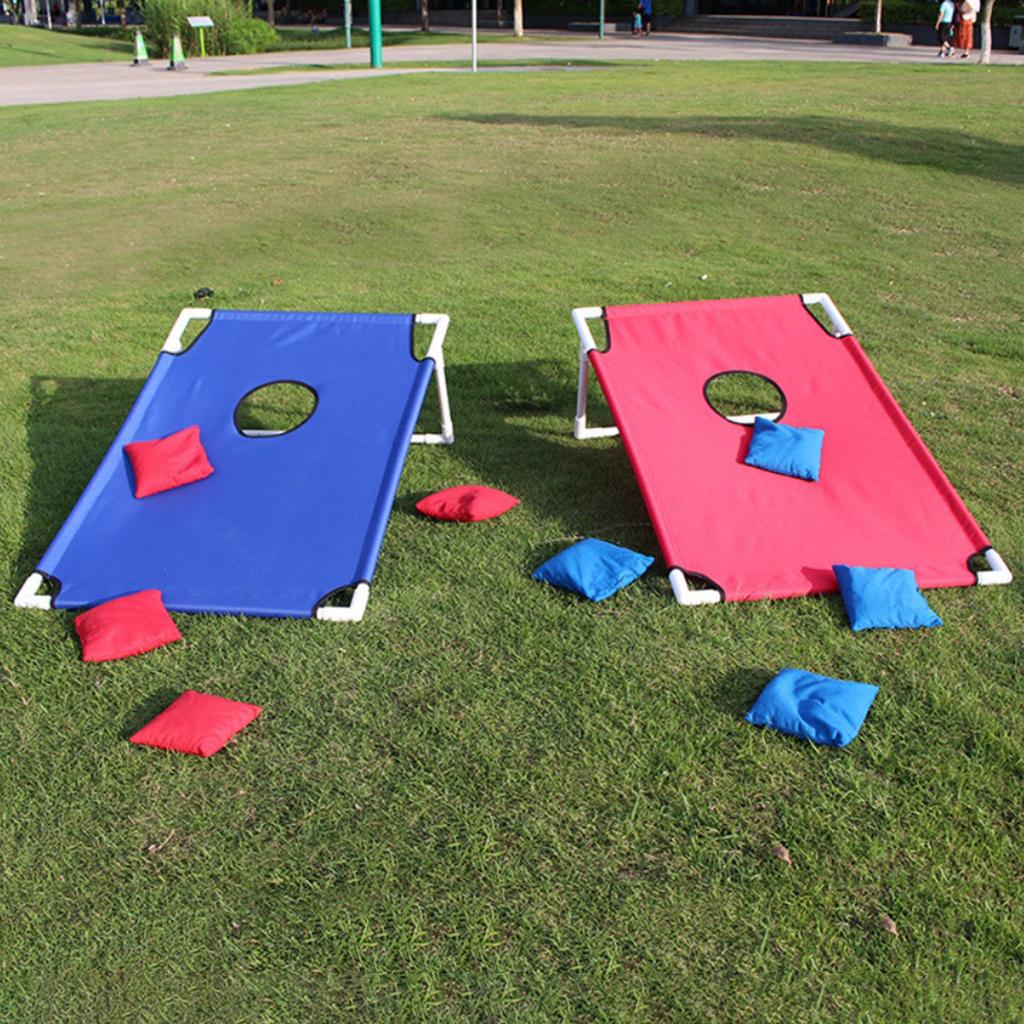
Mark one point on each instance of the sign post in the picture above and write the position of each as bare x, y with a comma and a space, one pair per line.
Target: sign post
473, 19
348, 24
201, 22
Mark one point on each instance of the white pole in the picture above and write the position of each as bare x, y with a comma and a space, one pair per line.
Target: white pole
473, 19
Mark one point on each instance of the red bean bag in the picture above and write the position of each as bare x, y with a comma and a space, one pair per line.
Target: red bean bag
196, 723
125, 626
168, 462
468, 504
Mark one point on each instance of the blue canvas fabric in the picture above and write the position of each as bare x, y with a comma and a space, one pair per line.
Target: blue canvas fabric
593, 568
813, 707
284, 520
883, 598
792, 451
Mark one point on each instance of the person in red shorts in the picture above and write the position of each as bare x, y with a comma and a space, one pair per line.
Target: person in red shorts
965, 29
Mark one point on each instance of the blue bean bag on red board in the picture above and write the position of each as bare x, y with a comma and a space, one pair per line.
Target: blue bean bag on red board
791, 451
813, 707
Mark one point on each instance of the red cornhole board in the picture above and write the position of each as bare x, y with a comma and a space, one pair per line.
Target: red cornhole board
882, 499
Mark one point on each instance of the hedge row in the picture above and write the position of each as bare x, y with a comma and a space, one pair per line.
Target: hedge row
922, 12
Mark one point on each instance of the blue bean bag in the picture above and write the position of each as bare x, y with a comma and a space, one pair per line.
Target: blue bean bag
813, 707
792, 451
883, 598
593, 568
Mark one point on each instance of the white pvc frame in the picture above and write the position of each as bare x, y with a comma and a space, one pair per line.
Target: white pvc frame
997, 574
30, 595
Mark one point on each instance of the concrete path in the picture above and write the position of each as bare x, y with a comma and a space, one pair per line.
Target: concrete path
69, 83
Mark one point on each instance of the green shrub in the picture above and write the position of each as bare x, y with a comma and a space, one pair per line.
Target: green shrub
165, 17
249, 35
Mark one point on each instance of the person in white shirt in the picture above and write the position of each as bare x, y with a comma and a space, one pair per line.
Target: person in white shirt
965, 37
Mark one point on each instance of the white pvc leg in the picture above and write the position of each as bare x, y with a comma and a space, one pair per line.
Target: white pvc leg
684, 595
839, 326
173, 342
353, 613
580, 429
999, 574
436, 352
29, 596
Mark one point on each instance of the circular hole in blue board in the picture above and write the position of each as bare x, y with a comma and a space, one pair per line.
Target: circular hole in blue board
275, 408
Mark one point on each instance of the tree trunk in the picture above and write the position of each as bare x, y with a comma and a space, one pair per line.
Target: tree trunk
986, 31
517, 17
122, 13
270, 13
425, 15
878, 15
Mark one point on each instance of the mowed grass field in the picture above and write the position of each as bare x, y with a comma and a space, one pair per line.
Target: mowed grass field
491, 801
20, 46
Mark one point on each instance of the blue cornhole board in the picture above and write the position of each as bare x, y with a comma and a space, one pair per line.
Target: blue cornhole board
287, 519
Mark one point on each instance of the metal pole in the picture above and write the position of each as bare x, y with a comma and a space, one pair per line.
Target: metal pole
376, 33
600, 20
473, 20
348, 24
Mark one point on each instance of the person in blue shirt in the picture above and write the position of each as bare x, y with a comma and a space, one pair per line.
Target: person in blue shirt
638, 18
944, 27
647, 13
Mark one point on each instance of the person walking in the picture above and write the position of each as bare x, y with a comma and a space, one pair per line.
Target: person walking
647, 13
965, 37
944, 27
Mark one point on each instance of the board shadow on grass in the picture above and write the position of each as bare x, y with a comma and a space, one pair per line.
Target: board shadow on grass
925, 146
71, 422
147, 710
513, 430
736, 692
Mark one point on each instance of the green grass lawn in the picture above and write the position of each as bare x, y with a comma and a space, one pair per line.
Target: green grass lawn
490, 801
22, 46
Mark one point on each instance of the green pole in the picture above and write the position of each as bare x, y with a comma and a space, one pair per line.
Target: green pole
202, 42
600, 20
376, 56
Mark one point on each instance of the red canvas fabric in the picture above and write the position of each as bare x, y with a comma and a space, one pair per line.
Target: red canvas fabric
196, 723
882, 498
168, 462
125, 626
467, 504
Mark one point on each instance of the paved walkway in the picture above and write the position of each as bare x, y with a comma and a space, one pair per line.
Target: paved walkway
64, 83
